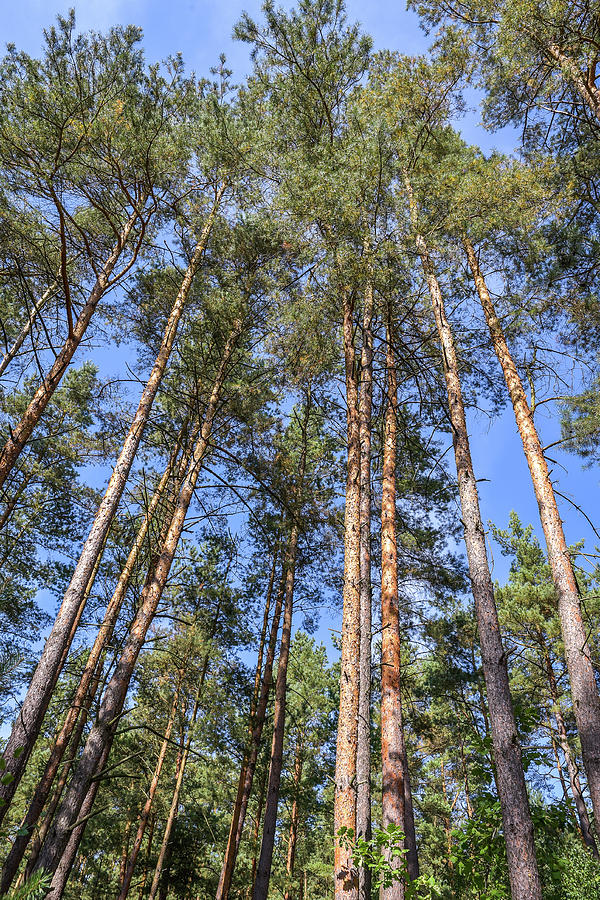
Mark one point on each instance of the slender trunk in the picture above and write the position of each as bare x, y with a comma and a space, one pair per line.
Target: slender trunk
469, 805
363, 748
112, 703
144, 878
21, 337
44, 826
447, 821
256, 830
177, 790
295, 818
584, 690
392, 735
65, 864
574, 782
345, 875
21, 432
125, 848
263, 873
516, 815
31, 714
410, 841
87, 687
263, 638
248, 767
128, 869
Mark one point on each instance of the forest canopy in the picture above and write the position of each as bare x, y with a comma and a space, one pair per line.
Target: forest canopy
263, 632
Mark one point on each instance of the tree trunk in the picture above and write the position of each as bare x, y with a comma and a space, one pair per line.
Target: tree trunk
127, 874
410, 842
256, 830
30, 717
111, 707
295, 818
516, 815
392, 736
574, 783
144, 878
87, 687
125, 848
177, 790
263, 873
263, 637
586, 701
363, 749
248, 767
65, 864
345, 875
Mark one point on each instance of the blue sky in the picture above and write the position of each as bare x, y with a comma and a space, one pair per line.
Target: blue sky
201, 30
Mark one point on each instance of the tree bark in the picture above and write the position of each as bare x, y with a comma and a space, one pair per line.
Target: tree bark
263, 873
248, 767
345, 875
586, 701
294, 818
111, 707
256, 830
516, 815
30, 717
144, 878
63, 870
363, 748
574, 782
392, 735
87, 687
128, 869
177, 790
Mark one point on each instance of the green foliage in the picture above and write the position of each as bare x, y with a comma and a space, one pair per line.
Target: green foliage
34, 888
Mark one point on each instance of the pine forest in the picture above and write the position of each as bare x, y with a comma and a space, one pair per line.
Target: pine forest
299, 447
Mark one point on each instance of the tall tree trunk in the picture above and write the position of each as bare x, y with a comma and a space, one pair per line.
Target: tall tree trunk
586, 700
88, 684
31, 714
574, 782
125, 847
410, 842
65, 864
111, 707
177, 790
263, 873
345, 875
516, 815
295, 817
256, 830
144, 877
128, 869
363, 748
392, 735
263, 637
248, 766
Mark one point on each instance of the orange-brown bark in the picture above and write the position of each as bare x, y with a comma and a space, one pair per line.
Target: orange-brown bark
584, 690
345, 875
113, 700
29, 720
392, 736
516, 815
